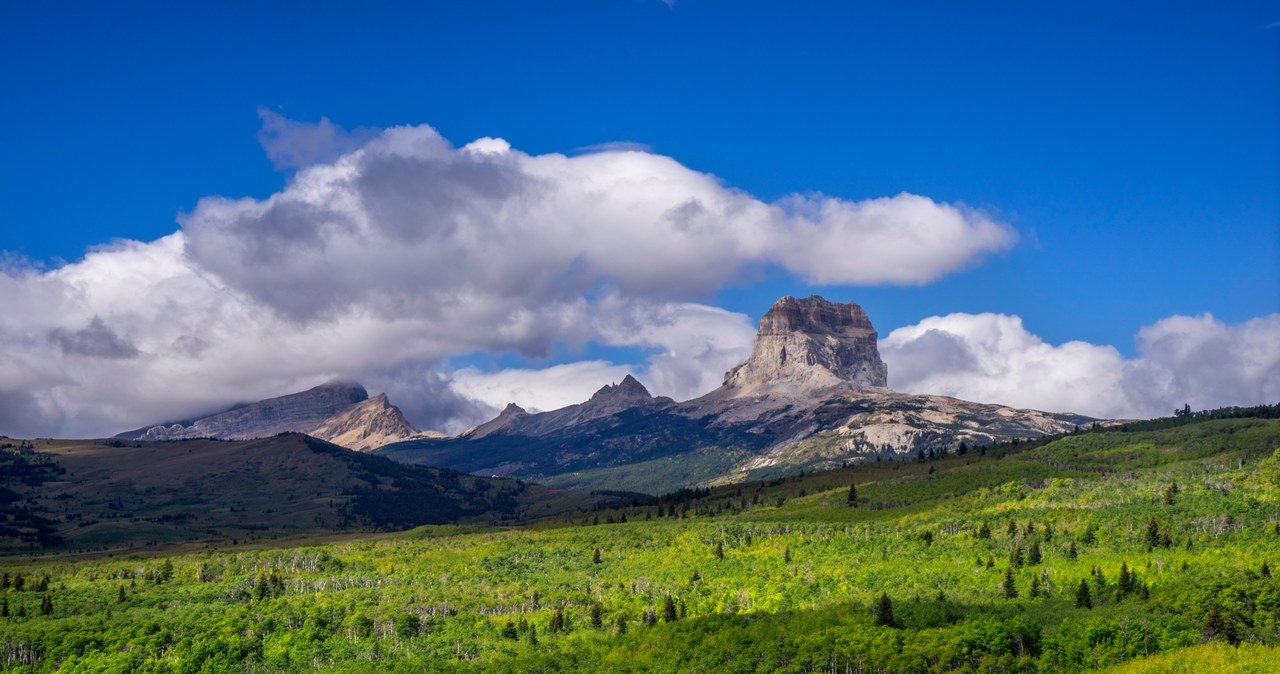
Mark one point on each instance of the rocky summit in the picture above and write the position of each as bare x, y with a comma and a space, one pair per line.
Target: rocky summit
811, 343
340, 412
813, 394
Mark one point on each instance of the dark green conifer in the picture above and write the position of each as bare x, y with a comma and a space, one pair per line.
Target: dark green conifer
1010, 587
884, 611
1083, 598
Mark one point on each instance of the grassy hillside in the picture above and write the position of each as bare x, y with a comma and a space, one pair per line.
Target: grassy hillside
111, 494
1140, 549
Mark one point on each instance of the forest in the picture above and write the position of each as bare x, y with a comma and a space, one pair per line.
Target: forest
1143, 548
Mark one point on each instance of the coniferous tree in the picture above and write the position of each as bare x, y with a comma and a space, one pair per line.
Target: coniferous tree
120, 596
884, 611
853, 495
46, 605
1012, 529
669, 609
533, 635
1010, 587
1083, 598
4, 580
1128, 581
1090, 535
1071, 550
1170, 493
984, 531
1033, 553
4, 607
719, 552
595, 556
650, 617
622, 624
509, 631
557, 621
695, 577
1048, 532
597, 615
1265, 572
928, 538
1015, 557
1153, 533
1035, 586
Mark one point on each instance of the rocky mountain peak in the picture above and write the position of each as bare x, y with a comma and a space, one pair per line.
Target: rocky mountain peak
811, 343
629, 389
367, 425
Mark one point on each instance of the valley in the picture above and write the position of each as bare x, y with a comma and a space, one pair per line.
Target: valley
971, 562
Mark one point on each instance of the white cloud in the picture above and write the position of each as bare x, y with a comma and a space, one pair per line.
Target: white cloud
538, 389
993, 358
389, 252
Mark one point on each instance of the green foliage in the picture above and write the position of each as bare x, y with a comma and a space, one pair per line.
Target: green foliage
799, 587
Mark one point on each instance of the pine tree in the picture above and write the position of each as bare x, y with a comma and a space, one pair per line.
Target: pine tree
1265, 572
719, 552
650, 617
595, 556
597, 615
695, 577
4, 607
928, 538
46, 605
1071, 550
984, 531
622, 624
1033, 553
557, 621
533, 635
1128, 581
853, 495
1090, 535
1011, 529
991, 562
1015, 557
509, 631
1035, 586
1170, 493
1010, 587
884, 611
786, 555
669, 609
121, 597
1083, 599
1153, 533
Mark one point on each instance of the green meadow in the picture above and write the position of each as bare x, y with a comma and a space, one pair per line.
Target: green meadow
1142, 548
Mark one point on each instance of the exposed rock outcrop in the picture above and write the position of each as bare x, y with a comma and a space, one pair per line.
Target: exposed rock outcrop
812, 394
810, 344
368, 425
339, 412
296, 412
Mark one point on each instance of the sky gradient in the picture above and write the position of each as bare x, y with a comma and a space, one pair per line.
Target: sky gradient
1097, 190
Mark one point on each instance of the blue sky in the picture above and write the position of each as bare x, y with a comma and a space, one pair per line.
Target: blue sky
1133, 148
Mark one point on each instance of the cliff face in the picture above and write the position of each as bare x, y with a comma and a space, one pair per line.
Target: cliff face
296, 412
368, 425
812, 394
810, 343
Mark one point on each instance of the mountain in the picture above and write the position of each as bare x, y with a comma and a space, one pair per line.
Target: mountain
340, 412
367, 425
812, 394
114, 493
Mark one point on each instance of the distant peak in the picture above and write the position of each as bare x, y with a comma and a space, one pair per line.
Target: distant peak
511, 409
628, 389
811, 343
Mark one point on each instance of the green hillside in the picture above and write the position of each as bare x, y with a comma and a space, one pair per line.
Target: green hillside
111, 495
1142, 548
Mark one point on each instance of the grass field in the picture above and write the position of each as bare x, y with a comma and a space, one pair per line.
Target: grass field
1077, 554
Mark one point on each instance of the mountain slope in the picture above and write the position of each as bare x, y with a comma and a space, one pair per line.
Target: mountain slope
367, 425
112, 493
811, 395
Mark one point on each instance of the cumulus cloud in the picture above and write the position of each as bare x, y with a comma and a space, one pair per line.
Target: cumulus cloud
389, 252
1181, 360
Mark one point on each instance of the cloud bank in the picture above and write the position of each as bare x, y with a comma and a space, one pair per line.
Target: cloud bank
390, 252
1195, 360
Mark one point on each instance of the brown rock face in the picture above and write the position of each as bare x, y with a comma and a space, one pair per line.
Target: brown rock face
811, 343
368, 425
